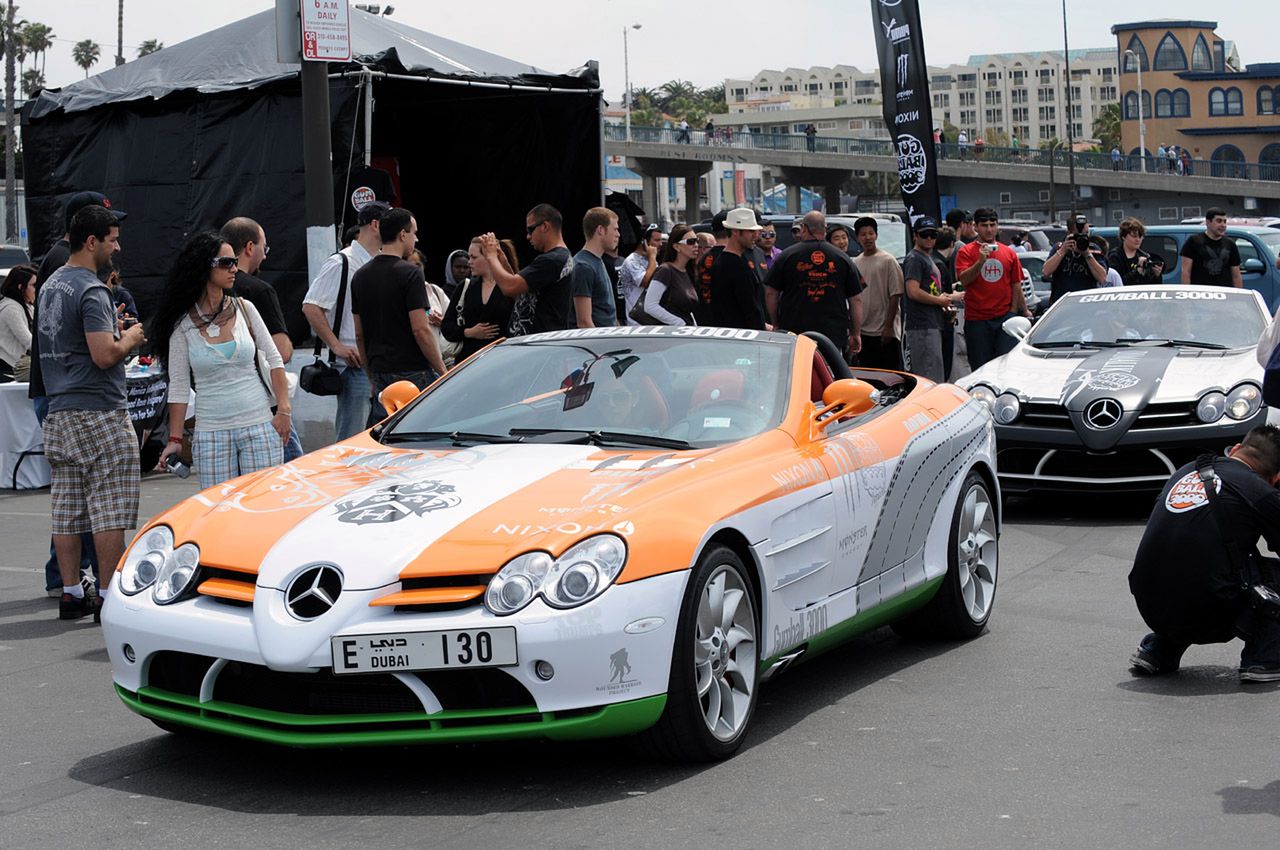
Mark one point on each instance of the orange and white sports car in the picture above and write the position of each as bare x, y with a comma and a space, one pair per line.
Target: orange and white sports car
576, 534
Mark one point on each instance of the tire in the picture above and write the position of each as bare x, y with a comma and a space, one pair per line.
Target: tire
712, 692
962, 606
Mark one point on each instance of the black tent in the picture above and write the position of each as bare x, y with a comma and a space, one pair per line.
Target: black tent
210, 128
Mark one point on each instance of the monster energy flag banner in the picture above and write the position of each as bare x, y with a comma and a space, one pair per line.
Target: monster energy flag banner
904, 83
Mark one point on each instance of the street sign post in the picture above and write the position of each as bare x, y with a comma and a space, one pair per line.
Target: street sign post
326, 31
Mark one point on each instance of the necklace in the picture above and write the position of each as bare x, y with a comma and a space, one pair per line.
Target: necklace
210, 326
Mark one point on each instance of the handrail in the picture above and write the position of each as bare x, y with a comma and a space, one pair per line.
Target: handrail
800, 143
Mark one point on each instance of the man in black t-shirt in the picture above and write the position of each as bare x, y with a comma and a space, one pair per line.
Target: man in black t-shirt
1075, 264
542, 290
1209, 258
1186, 576
247, 238
926, 309
389, 307
814, 286
735, 298
706, 262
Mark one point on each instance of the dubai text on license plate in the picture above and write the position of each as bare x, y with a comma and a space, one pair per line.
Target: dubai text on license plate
425, 650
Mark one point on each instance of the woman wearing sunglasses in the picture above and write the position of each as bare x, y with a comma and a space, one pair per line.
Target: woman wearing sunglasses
670, 298
213, 340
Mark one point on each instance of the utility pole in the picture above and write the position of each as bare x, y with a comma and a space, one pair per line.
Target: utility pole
10, 135
1071, 135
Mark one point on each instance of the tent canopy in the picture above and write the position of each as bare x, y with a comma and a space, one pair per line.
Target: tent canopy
242, 55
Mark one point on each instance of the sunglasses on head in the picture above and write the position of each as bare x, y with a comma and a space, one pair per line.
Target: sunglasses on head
226, 263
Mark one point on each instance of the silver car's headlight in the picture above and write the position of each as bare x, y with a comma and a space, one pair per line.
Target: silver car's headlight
144, 560
984, 394
1006, 408
1244, 401
1211, 407
579, 575
176, 574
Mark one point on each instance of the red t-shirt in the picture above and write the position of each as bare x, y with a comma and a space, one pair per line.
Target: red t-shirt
990, 294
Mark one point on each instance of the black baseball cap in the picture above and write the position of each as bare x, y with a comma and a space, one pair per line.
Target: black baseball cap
371, 212
80, 200
718, 220
926, 222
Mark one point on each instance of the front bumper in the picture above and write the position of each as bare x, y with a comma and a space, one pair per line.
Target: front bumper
199, 664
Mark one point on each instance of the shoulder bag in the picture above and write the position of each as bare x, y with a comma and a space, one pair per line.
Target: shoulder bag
321, 378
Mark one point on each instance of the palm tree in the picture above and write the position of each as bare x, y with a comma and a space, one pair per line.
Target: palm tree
32, 81
149, 46
1106, 127
85, 54
120, 33
37, 38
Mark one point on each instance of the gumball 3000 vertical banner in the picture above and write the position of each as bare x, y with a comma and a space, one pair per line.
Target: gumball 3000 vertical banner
904, 81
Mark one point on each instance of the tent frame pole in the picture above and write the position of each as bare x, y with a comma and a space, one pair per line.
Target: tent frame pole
472, 83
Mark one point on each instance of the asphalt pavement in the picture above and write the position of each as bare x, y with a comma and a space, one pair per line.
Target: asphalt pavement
1033, 735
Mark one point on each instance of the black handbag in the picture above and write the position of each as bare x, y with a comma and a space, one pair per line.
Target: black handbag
321, 378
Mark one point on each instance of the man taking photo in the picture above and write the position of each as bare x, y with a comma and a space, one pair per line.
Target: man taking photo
1075, 265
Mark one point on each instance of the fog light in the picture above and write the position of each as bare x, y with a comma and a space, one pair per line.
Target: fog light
128, 654
544, 670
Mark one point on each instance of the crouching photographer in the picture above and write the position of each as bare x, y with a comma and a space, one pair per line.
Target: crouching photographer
1198, 576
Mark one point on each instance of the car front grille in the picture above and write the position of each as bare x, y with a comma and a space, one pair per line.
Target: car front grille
1176, 414
437, 593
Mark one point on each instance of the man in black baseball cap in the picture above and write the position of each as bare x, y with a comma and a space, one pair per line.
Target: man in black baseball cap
61, 250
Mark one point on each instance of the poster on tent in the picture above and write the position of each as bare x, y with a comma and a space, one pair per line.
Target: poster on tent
904, 84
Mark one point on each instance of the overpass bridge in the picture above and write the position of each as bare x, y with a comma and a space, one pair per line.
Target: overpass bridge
1010, 179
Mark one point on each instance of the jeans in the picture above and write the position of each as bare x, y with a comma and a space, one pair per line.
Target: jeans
987, 340
382, 380
88, 555
293, 447
1261, 643
924, 353
353, 403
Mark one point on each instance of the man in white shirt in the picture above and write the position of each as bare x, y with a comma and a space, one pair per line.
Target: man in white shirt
638, 268
319, 305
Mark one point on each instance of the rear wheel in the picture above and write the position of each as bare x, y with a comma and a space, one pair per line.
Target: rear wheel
711, 695
963, 603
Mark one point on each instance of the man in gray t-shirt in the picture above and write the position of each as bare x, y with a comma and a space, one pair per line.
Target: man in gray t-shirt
88, 439
593, 303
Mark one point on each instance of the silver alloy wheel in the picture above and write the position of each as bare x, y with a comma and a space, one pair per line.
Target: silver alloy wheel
977, 552
725, 656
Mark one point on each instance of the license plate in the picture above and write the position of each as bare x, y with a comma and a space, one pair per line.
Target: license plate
409, 651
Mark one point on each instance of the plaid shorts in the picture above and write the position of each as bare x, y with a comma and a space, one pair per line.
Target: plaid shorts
93, 457
231, 452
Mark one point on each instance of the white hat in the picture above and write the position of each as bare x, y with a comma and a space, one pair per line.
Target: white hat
741, 218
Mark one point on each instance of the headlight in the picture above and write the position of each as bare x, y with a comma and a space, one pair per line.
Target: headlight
144, 560
1211, 407
1244, 401
1006, 408
176, 573
984, 394
579, 575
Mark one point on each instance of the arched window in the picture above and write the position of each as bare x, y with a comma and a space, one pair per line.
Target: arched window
1201, 58
1217, 102
1164, 104
1266, 101
1235, 101
1269, 162
1181, 104
1131, 106
1170, 55
1227, 161
1130, 64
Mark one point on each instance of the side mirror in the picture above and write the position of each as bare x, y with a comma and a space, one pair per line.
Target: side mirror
1253, 266
846, 397
1017, 327
398, 395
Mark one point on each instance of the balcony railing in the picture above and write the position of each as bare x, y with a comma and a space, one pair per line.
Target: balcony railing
735, 138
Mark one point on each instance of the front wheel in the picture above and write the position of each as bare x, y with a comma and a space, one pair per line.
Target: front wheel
963, 603
711, 694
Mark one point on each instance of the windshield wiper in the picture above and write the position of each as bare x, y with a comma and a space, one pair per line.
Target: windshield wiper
1191, 343
457, 438
1074, 343
602, 438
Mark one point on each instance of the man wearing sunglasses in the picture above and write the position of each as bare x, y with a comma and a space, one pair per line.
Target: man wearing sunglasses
991, 277
768, 245
541, 289
927, 309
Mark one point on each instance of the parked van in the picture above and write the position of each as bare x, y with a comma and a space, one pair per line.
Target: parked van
1259, 248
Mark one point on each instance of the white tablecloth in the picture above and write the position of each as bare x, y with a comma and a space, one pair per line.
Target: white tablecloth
19, 434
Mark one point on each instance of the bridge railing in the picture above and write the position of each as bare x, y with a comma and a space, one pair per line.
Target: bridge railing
1097, 161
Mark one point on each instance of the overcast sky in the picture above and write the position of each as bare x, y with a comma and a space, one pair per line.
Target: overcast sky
699, 42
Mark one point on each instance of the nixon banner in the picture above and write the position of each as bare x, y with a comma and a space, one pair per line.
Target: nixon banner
904, 83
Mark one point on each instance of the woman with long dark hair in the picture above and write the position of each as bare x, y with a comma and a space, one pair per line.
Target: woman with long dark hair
215, 338
479, 312
17, 295
670, 297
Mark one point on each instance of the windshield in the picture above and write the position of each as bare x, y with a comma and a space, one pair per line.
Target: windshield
1272, 243
665, 390
1212, 319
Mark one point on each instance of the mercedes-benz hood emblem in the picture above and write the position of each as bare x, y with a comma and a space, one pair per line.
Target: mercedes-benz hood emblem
314, 591
1103, 414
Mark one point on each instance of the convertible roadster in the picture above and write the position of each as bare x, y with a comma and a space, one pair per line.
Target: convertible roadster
577, 534
1114, 389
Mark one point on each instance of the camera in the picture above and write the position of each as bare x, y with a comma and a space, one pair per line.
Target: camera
1264, 600
1081, 240
174, 464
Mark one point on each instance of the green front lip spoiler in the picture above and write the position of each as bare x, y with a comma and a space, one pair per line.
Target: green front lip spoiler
354, 730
